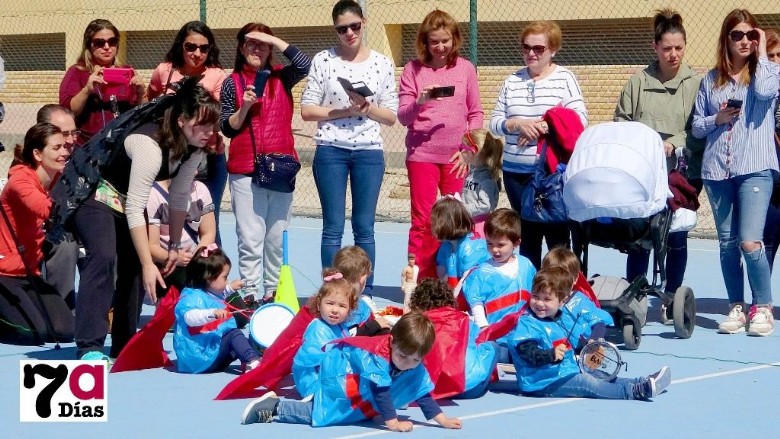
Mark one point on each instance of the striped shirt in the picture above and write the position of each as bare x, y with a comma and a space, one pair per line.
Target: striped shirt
522, 97
747, 145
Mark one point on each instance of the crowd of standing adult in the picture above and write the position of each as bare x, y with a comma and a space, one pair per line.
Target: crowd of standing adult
351, 93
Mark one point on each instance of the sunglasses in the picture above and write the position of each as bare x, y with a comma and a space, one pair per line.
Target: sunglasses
536, 49
99, 43
355, 27
737, 35
73, 133
192, 47
531, 87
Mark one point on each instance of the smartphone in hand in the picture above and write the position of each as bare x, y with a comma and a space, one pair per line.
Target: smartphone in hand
443, 92
260, 80
359, 87
734, 103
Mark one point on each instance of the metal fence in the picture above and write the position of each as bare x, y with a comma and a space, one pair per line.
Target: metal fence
605, 42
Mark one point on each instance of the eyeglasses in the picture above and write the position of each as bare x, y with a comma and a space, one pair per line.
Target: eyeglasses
536, 49
72, 133
355, 27
99, 43
737, 35
531, 87
192, 47
252, 46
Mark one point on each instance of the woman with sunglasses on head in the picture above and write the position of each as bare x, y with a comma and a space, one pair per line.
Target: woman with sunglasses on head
260, 122
436, 160
25, 205
112, 226
662, 96
80, 89
349, 144
194, 52
522, 101
735, 111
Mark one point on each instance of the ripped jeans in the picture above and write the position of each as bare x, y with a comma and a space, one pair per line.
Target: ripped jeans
739, 206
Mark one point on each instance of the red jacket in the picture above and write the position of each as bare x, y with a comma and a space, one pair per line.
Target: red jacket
27, 205
270, 121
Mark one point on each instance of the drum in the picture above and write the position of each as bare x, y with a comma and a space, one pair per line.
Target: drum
601, 359
267, 323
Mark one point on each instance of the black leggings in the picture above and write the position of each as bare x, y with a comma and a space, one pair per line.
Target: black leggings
23, 322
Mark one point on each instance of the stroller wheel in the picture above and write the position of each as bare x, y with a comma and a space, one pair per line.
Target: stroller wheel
632, 335
684, 310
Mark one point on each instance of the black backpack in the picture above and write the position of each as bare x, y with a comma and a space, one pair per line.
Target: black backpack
81, 175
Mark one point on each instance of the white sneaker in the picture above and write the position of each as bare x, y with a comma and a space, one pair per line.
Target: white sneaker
761, 321
735, 321
660, 380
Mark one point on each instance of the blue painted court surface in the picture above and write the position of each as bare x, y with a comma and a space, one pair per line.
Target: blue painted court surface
723, 385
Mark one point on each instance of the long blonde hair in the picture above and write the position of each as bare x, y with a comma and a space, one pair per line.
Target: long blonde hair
490, 150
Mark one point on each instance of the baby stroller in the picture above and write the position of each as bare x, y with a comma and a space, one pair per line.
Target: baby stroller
615, 192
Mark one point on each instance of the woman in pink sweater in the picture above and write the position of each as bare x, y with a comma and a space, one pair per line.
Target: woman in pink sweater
436, 160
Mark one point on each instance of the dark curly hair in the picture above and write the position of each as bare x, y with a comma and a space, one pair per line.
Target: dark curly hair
431, 294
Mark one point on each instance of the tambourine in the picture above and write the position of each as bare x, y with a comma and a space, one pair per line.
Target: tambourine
601, 359
268, 322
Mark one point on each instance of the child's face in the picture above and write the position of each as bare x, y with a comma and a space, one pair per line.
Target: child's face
544, 304
501, 248
334, 308
403, 361
217, 286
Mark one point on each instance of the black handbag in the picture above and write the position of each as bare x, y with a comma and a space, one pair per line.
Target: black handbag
273, 171
542, 199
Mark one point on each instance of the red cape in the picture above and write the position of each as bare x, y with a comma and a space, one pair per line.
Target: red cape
145, 350
276, 364
446, 361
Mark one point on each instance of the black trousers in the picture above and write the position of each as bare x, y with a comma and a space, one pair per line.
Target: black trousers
23, 320
106, 239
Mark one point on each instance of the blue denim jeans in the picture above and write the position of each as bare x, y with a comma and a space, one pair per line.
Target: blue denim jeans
676, 261
365, 170
582, 385
294, 412
739, 207
215, 181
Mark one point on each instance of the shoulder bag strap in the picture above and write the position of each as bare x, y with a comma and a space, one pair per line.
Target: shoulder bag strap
251, 131
168, 81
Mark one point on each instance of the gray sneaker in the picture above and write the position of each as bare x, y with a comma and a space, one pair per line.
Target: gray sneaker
660, 380
262, 409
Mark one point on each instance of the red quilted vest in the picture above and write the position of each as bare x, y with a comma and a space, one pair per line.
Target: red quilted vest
271, 123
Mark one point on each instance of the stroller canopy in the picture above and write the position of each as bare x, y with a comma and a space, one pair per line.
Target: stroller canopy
618, 170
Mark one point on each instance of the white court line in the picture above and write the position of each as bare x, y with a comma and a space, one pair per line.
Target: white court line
562, 401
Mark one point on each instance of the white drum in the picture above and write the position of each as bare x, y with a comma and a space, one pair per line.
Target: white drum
268, 322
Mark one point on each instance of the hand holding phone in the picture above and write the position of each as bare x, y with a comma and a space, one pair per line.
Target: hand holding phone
261, 78
734, 103
442, 92
359, 87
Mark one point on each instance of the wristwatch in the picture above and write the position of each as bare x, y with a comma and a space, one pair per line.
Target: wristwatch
174, 246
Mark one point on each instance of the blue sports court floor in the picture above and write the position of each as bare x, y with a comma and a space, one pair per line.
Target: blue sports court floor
723, 385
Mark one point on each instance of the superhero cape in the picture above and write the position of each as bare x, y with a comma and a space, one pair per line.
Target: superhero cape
445, 362
582, 285
277, 360
144, 350
276, 364
502, 327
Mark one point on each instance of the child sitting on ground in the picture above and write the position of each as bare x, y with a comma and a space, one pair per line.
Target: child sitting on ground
481, 186
460, 250
591, 320
500, 285
206, 337
541, 350
331, 307
363, 377
458, 366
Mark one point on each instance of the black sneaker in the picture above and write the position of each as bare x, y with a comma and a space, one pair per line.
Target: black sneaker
261, 410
